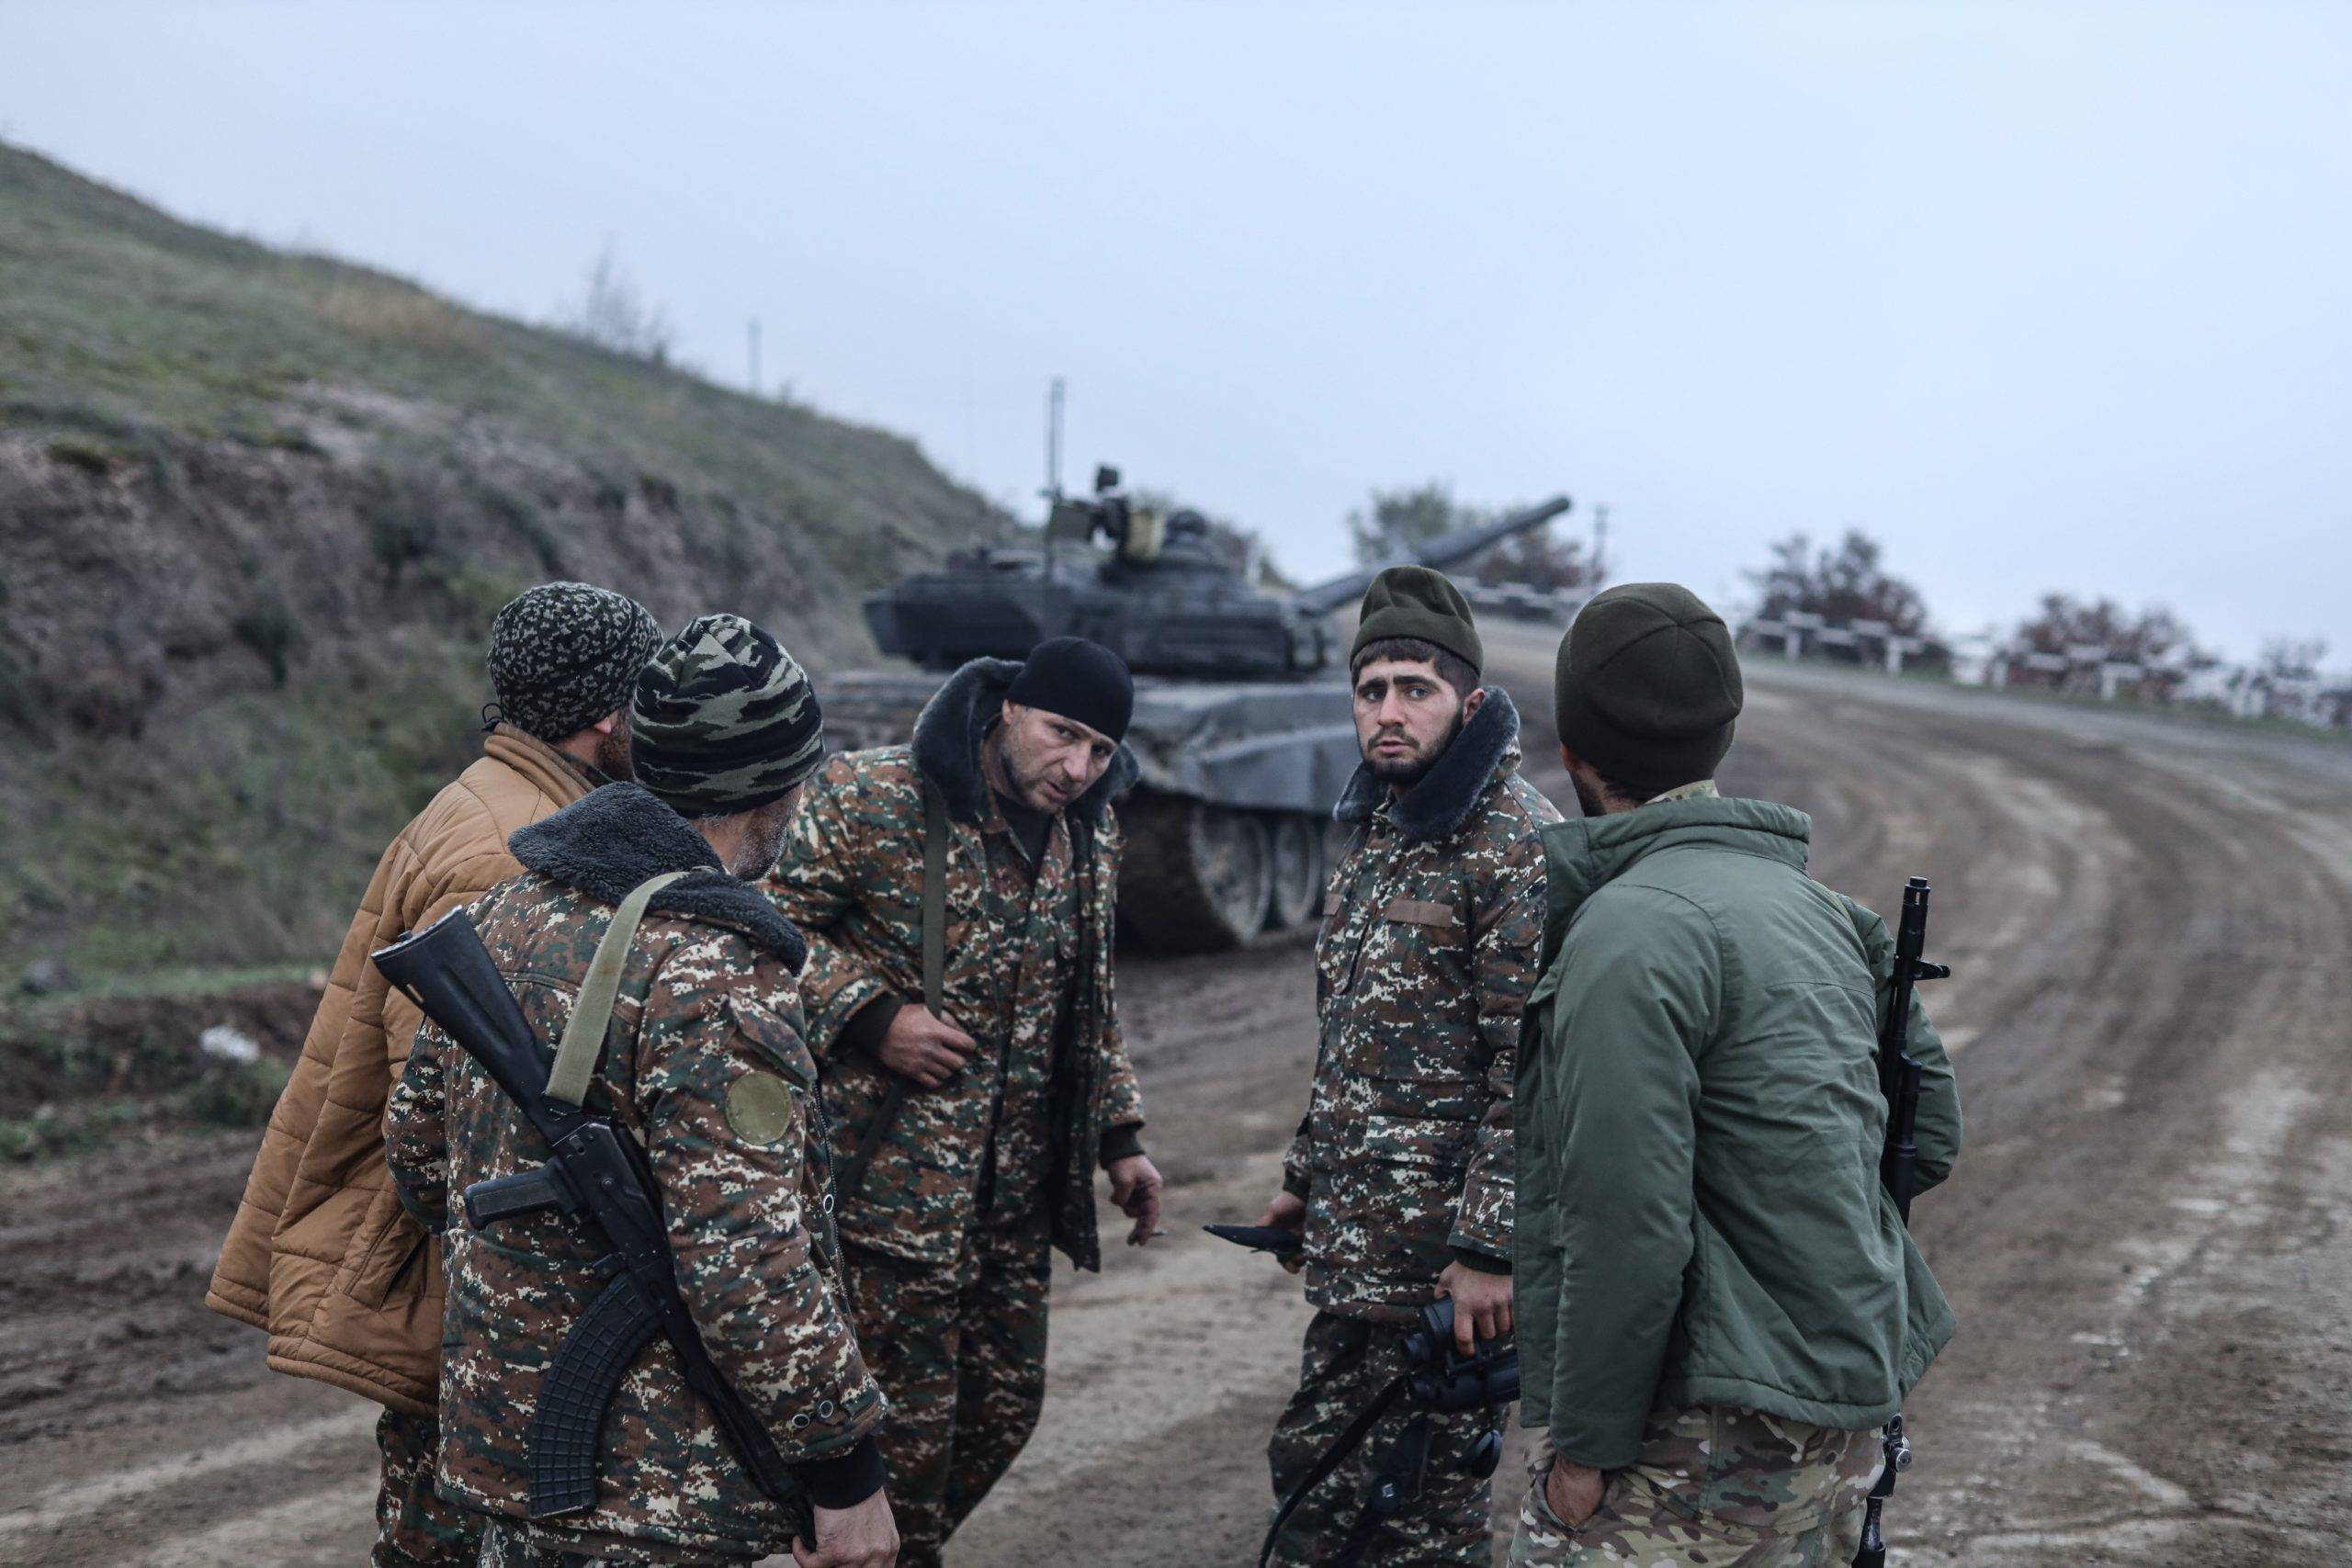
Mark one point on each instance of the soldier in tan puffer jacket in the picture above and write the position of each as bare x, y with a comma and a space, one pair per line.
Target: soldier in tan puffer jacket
322, 1255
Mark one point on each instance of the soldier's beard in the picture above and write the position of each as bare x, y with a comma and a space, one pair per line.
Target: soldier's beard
1414, 769
1588, 798
762, 840
613, 758
1028, 784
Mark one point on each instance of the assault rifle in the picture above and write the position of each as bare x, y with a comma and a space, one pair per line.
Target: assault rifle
1438, 1380
598, 1179
1898, 1079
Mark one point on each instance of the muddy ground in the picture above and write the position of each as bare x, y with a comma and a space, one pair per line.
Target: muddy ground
2151, 922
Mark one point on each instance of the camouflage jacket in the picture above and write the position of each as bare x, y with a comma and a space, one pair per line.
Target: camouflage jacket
1429, 944
704, 1064
1028, 975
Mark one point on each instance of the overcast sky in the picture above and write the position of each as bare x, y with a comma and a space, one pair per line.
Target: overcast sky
2045, 296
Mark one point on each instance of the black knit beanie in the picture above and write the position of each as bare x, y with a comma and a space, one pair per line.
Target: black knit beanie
1080, 680
1416, 602
1648, 686
724, 720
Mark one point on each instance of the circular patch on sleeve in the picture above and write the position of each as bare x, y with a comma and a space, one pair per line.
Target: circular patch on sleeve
758, 1106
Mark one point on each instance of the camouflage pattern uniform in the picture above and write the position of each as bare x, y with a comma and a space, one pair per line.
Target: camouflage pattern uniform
1714, 1486
947, 1241
413, 1526
1428, 949
705, 1065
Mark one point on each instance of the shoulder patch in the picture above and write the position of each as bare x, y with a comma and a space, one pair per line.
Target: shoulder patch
758, 1106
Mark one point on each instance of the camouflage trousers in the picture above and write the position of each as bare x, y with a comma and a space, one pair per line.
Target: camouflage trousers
511, 1543
1714, 1486
960, 1350
415, 1529
1345, 1364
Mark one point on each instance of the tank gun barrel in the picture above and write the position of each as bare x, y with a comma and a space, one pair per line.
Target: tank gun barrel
1451, 550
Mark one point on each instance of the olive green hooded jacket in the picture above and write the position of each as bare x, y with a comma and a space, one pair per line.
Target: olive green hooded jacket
1701, 1219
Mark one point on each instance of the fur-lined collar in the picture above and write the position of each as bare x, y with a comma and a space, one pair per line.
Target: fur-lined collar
1440, 802
951, 727
614, 838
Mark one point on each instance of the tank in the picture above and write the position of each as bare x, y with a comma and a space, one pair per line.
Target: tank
1242, 725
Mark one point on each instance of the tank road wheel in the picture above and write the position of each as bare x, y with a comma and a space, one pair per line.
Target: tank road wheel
1197, 877
1297, 845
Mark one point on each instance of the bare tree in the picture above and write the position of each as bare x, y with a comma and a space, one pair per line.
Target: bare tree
612, 314
2062, 622
1840, 585
2291, 659
1542, 559
1397, 521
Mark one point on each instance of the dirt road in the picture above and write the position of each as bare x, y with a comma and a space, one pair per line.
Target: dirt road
2150, 919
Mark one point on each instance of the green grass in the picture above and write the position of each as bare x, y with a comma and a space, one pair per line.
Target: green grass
123, 323
366, 472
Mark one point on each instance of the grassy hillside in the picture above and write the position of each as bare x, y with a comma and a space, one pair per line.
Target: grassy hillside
257, 508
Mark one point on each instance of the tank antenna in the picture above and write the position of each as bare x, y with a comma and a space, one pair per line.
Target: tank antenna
1053, 491
1054, 440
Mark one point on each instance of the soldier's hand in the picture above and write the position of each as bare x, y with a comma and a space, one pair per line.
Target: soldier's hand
1573, 1491
1481, 1304
1287, 1211
926, 1049
861, 1536
1135, 1187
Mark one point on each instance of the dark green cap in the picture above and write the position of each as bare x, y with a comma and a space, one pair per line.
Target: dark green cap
1648, 686
1413, 601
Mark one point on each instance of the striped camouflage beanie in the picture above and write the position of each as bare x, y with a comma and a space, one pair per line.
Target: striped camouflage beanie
725, 719
565, 654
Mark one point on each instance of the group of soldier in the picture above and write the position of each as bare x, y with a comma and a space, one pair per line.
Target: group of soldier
1606, 1085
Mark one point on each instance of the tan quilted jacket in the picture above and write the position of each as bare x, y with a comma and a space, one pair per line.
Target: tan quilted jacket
322, 1254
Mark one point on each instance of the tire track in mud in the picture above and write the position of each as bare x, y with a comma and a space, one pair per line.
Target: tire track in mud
2149, 920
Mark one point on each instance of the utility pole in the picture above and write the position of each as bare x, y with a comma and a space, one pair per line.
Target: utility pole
756, 355
1600, 541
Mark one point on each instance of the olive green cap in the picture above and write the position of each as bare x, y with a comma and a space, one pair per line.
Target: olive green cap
1648, 686
1413, 601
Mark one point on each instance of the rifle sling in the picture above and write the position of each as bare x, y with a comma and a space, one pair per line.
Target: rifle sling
592, 1014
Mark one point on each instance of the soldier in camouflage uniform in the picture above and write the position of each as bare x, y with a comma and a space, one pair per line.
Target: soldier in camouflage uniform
969, 1139
1400, 1175
1721, 1302
704, 1064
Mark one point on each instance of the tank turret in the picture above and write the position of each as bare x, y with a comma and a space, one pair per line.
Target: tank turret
1151, 588
1242, 723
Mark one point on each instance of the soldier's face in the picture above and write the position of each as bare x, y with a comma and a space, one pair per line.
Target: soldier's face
1050, 760
1406, 716
763, 834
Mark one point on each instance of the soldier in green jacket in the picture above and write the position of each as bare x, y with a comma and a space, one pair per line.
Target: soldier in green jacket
967, 1135
1718, 1303
1400, 1173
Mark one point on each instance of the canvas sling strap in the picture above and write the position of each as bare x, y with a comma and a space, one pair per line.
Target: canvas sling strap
592, 1014
934, 964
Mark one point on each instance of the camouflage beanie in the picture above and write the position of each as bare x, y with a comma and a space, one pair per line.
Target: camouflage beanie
725, 719
565, 654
